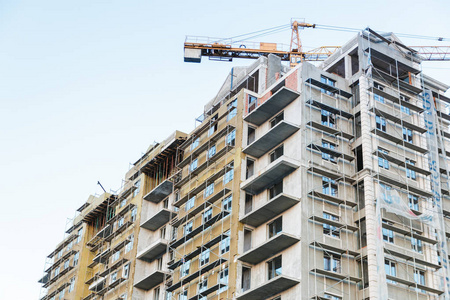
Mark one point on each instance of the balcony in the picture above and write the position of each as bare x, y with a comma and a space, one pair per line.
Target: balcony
272, 173
330, 130
159, 219
271, 106
269, 209
153, 251
269, 288
160, 192
151, 280
328, 88
269, 248
270, 139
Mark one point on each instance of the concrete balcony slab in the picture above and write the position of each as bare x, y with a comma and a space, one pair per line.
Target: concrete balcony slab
270, 139
269, 248
269, 175
271, 106
159, 219
160, 192
151, 280
269, 210
269, 288
153, 251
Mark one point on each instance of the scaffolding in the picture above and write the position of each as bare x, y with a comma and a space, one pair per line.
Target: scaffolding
203, 241
332, 243
410, 181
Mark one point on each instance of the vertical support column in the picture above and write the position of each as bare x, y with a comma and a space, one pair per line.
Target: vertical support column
369, 190
348, 66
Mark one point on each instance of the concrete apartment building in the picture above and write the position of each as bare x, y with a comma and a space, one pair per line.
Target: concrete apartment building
273, 195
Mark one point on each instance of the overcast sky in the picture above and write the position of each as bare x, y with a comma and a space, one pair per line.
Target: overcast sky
87, 86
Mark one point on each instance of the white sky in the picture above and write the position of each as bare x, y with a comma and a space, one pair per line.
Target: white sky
86, 86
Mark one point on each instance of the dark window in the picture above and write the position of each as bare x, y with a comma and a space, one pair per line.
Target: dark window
275, 227
250, 135
248, 203
250, 168
277, 120
246, 278
274, 267
277, 153
276, 189
247, 239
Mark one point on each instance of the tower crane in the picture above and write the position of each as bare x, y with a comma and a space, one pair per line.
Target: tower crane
227, 49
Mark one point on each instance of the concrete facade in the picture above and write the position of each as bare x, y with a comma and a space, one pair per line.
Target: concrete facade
273, 195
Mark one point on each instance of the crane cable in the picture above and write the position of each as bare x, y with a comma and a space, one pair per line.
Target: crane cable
259, 32
283, 27
405, 35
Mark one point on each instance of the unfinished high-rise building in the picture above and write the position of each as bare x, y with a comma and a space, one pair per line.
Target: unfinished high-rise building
311, 182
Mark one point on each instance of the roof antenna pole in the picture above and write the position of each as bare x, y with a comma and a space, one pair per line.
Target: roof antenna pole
98, 182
